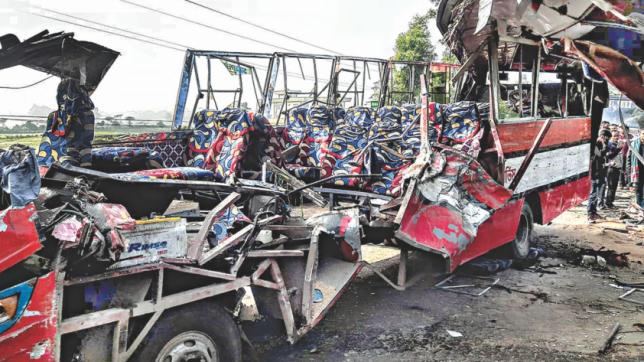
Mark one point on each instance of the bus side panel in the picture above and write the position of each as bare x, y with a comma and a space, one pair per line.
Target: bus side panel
33, 336
556, 200
563, 155
518, 137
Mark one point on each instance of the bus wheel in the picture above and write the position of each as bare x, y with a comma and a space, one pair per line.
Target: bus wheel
519, 248
199, 332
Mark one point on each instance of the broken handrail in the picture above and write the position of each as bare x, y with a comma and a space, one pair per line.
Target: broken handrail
209, 221
326, 179
531, 153
315, 197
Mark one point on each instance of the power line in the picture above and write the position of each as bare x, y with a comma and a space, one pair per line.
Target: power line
28, 85
113, 27
208, 26
108, 32
262, 27
143, 35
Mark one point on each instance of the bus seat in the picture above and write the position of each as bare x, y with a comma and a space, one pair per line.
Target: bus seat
230, 145
205, 132
346, 152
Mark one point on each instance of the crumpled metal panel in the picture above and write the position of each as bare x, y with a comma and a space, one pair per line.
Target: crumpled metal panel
58, 54
450, 202
19, 237
343, 224
618, 69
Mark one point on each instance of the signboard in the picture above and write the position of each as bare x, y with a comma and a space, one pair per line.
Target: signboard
236, 69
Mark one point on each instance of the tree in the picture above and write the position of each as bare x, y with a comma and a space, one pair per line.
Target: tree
28, 127
449, 57
413, 45
375, 90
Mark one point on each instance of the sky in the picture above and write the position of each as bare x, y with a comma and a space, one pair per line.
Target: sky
145, 77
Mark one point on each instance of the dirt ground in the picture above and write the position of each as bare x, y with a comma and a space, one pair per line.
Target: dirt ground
558, 311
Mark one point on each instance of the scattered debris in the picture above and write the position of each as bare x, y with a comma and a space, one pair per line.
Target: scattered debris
593, 260
539, 295
485, 266
630, 293
454, 334
608, 343
466, 283
629, 284
600, 257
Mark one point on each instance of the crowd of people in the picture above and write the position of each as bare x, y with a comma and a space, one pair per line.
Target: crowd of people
615, 163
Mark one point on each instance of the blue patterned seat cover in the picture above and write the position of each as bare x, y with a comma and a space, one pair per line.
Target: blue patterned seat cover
294, 134
125, 157
231, 143
384, 157
205, 132
346, 153
461, 121
69, 132
313, 137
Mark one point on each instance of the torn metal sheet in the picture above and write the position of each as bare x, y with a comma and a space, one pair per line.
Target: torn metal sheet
452, 199
463, 186
19, 237
344, 224
622, 72
58, 54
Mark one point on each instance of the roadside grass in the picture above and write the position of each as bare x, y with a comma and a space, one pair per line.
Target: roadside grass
33, 139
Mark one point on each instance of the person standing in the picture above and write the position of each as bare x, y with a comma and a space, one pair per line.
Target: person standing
637, 169
623, 141
601, 202
614, 169
597, 173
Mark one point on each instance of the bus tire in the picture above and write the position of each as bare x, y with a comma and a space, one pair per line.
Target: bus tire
191, 332
519, 248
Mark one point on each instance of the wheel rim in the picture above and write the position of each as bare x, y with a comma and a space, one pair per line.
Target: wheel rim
523, 236
189, 346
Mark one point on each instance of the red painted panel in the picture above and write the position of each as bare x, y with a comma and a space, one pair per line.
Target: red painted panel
498, 230
439, 229
519, 136
18, 235
558, 199
434, 228
33, 337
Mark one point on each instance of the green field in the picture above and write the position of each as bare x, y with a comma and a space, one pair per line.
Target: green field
33, 139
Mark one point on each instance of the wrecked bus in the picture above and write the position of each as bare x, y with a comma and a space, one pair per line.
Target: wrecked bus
275, 173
